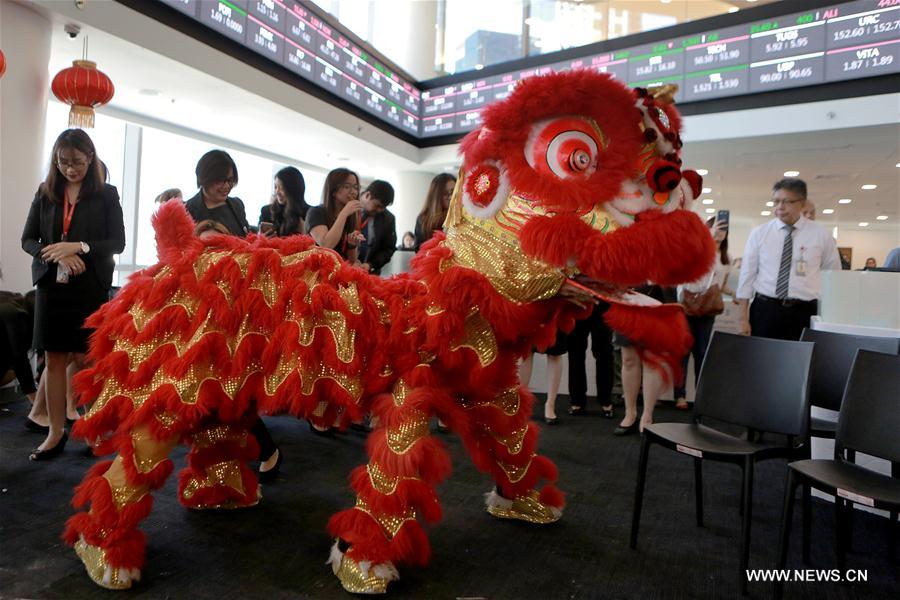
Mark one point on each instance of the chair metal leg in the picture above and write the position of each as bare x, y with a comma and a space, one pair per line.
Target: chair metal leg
698, 490
839, 533
807, 521
743, 491
784, 537
745, 524
639, 489
892, 523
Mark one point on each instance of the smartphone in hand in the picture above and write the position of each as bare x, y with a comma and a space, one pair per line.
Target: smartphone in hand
266, 228
722, 217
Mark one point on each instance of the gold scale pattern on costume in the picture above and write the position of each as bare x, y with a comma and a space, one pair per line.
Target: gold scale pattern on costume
479, 337
187, 387
391, 524
508, 402
227, 473
412, 428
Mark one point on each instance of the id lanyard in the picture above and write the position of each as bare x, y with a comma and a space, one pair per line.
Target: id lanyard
68, 212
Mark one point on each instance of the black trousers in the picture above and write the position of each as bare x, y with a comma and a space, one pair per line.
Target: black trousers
780, 319
601, 348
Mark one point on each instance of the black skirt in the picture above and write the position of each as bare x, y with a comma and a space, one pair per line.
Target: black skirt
61, 309
557, 349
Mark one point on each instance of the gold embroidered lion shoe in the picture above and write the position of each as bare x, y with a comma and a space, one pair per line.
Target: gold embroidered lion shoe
94, 559
524, 508
361, 577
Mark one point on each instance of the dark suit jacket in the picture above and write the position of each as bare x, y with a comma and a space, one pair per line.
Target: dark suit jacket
97, 221
380, 249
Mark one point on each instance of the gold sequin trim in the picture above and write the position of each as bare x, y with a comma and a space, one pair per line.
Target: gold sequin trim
413, 428
401, 390
434, 309
381, 481
513, 441
265, 284
479, 337
274, 379
351, 384
514, 473
384, 315
350, 295
206, 259
356, 581
529, 508
166, 419
336, 324
144, 464
124, 494
94, 559
508, 401
227, 473
391, 524
216, 435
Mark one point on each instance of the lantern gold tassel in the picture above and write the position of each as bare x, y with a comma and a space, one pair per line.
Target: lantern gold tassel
81, 117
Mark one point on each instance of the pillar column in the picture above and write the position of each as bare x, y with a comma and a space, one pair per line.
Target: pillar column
25, 40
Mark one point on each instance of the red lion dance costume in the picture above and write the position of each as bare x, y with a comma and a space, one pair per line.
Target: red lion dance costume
572, 174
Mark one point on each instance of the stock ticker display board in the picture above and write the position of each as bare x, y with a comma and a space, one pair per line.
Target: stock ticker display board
835, 43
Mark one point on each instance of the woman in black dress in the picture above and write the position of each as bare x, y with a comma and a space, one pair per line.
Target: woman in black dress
334, 223
286, 213
437, 202
73, 230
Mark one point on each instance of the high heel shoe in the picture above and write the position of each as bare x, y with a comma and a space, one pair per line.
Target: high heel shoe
270, 475
633, 428
36, 427
53, 452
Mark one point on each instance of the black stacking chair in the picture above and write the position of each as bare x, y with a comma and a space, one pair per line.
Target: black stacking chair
831, 367
758, 384
868, 423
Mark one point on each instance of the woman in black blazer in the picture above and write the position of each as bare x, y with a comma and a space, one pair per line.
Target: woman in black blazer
73, 230
286, 213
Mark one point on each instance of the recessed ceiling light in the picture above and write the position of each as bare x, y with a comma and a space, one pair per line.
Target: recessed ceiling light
666, 1
845, 201
869, 186
702, 171
733, 9
479, 67
791, 173
897, 165
707, 190
881, 218
707, 201
766, 213
828, 211
751, 0
770, 204
864, 224
710, 211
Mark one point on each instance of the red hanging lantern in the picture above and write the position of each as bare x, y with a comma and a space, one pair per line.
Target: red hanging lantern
83, 87
2, 63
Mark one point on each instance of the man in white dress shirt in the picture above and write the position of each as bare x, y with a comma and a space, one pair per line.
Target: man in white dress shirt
782, 265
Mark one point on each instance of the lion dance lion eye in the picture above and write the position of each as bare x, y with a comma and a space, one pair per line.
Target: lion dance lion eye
566, 148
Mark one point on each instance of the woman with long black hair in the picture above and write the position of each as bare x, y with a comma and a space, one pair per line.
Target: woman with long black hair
334, 223
286, 213
73, 230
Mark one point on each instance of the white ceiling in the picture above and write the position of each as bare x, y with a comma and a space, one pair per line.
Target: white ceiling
834, 163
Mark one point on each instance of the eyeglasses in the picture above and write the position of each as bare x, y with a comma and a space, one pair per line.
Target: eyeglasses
77, 165
776, 202
349, 186
229, 182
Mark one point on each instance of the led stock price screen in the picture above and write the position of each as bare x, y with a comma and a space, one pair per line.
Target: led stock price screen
290, 34
845, 41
